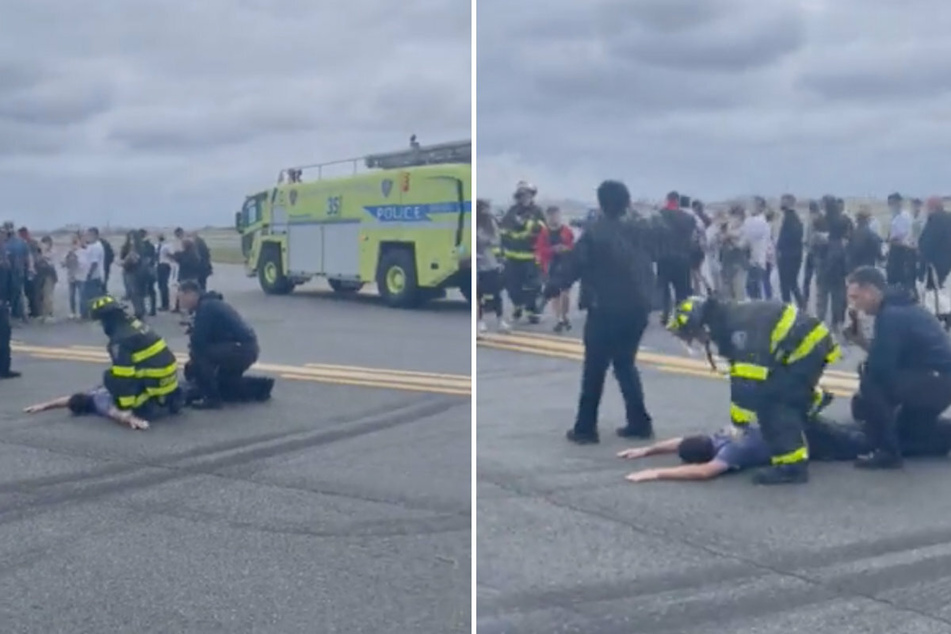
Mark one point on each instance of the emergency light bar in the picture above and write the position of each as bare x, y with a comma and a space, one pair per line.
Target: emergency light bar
440, 153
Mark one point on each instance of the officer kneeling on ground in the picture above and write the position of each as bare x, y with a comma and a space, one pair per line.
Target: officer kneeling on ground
905, 382
222, 347
777, 355
143, 378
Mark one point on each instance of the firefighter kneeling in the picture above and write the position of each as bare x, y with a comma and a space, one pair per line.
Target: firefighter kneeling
143, 378
777, 355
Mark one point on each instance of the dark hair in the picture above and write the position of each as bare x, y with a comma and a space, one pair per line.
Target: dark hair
696, 449
80, 403
614, 198
189, 286
868, 276
673, 197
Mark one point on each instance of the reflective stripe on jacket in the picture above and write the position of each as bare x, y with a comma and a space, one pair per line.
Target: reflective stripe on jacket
143, 367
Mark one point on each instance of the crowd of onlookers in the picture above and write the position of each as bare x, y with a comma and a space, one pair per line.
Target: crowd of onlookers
147, 270
737, 251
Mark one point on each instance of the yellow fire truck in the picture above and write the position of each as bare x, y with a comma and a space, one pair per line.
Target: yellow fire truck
401, 220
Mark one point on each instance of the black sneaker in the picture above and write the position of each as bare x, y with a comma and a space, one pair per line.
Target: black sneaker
567, 325
589, 438
782, 474
879, 460
10, 375
534, 319
560, 327
637, 433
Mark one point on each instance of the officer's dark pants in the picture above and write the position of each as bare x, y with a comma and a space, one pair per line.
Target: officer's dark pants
217, 371
612, 340
787, 398
5, 335
831, 441
489, 292
523, 284
31, 291
673, 273
788, 269
904, 411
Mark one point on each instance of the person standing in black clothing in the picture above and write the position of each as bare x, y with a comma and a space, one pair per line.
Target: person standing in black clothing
934, 245
814, 237
679, 229
149, 270
613, 261
865, 247
6, 297
789, 245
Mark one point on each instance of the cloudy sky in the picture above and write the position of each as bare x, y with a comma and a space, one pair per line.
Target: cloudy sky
716, 98
121, 111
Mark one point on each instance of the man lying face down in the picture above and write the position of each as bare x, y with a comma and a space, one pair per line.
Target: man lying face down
95, 402
733, 449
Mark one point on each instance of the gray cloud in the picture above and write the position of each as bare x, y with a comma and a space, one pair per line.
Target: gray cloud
715, 97
181, 109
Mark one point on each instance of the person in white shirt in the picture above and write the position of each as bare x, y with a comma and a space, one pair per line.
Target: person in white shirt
758, 235
93, 260
166, 269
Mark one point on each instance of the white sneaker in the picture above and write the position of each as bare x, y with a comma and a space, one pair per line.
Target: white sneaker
483, 328
503, 326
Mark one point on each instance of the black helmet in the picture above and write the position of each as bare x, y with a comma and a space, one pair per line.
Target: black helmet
99, 307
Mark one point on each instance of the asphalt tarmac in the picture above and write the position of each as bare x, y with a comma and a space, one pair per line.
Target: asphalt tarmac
343, 505
565, 544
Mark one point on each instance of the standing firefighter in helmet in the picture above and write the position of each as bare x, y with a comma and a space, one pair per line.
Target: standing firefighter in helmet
776, 355
143, 377
519, 231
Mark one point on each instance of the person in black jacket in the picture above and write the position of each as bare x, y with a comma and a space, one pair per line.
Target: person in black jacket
6, 302
905, 382
222, 347
934, 245
613, 261
865, 247
679, 229
789, 245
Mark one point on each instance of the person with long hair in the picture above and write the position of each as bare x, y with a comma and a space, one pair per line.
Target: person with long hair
488, 267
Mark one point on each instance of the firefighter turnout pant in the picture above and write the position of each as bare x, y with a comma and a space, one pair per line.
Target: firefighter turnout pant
782, 395
523, 283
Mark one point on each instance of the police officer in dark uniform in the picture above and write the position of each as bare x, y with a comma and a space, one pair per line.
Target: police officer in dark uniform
143, 377
777, 354
613, 261
222, 347
6, 302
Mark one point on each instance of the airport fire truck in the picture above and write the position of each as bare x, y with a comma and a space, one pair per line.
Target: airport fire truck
400, 220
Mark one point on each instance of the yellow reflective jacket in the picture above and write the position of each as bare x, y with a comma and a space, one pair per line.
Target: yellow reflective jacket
143, 367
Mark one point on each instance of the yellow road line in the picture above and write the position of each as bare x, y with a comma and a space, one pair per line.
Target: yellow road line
551, 342
381, 384
457, 385
667, 363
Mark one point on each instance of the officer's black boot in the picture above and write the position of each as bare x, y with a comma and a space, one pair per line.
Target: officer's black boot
879, 459
783, 474
636, 433
582, 438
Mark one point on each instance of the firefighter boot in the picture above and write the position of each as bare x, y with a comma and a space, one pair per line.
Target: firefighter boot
783, 474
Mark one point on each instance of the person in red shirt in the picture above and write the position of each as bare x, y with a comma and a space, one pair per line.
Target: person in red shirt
553, 244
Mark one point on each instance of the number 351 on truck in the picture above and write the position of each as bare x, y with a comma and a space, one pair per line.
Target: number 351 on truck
400, 220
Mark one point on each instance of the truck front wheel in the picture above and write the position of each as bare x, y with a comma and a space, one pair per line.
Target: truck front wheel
396, 279
271, 273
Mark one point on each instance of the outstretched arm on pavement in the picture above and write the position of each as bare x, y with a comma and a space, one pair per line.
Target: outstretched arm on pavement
657, 449
127, 418
57, 403
706, 471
